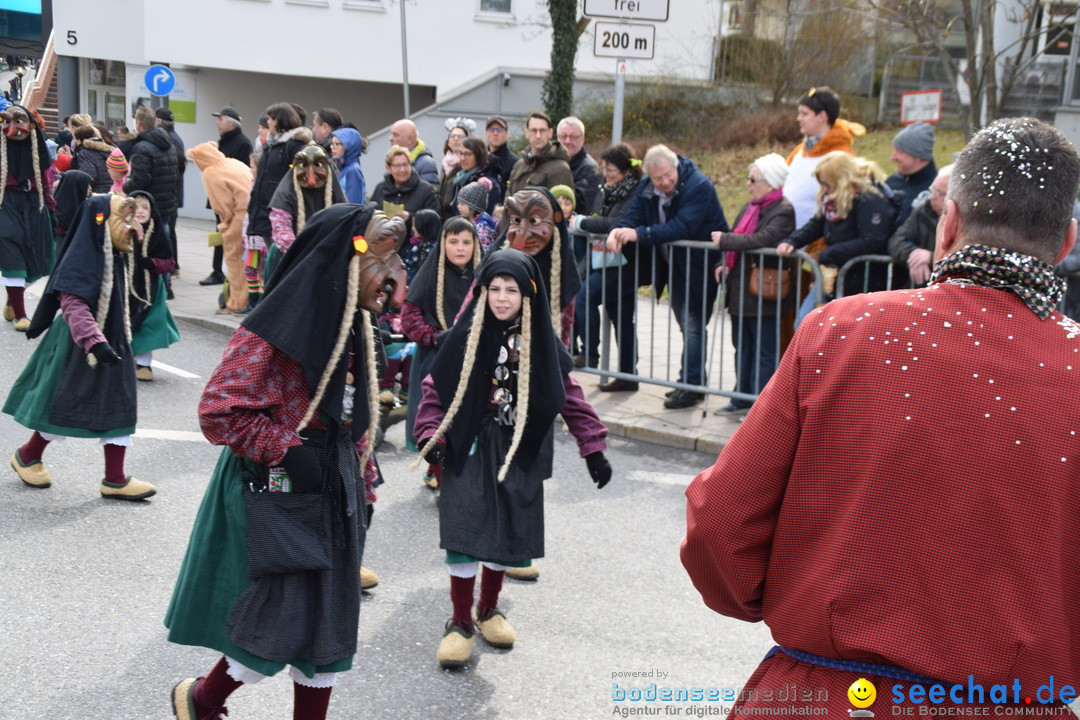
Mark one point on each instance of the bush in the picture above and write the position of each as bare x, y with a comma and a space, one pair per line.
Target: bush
676, 113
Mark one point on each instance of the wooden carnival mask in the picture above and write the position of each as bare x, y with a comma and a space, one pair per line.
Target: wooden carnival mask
532, 221
382, 274
311, 167
16, 124
123, 227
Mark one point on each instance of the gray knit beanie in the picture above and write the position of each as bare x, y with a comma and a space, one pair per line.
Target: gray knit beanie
475, 196
916, 140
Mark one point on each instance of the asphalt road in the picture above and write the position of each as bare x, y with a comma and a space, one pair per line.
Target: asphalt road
84, 583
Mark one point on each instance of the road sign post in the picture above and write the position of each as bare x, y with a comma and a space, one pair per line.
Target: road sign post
159, 80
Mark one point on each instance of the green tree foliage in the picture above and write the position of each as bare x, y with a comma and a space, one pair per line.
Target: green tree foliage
558, 91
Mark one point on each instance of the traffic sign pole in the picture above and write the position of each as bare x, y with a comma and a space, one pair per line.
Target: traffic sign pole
617, 110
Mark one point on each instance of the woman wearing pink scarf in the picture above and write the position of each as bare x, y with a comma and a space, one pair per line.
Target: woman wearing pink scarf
763, 222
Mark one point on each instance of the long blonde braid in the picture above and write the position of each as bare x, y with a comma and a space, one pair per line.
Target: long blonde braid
475, 328
374, 410
351, 297
3, 165
38, 179
440, 284
146, 273
555, 301
521, 412
301, 210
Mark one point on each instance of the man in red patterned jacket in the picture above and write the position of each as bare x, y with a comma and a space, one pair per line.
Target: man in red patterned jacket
899, 505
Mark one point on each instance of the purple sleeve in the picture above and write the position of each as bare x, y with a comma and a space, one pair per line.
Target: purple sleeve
430, 414
49, 177
84, 329
163, 266
581, 419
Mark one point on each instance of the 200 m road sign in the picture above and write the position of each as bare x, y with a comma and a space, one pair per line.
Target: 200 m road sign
624, 40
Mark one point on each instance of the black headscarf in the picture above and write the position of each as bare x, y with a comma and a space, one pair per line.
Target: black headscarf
157, 246
284, 197
19, 158
70, 195
80, 269
423, 289
549, 361
571, 281
302, 309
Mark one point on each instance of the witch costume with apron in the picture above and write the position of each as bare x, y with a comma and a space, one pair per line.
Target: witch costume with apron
488, 412
270, 576
434, 299
26, 178
152, 325
80, 381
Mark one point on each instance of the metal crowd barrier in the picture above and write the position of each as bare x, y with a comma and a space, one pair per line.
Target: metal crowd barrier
662, 351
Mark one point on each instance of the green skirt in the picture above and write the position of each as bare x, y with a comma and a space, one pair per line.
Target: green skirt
158, 329
214, 573
31, 398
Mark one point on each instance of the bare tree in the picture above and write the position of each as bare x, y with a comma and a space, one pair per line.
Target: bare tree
994, 65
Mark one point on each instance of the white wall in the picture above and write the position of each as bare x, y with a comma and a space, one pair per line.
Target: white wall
449, 42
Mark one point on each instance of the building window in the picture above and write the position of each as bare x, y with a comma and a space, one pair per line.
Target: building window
495, 6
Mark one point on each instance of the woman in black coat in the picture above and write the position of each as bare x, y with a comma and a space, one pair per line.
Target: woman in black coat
402, 187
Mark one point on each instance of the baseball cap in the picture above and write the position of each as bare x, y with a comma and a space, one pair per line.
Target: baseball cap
228, 111
496, 119
164, 113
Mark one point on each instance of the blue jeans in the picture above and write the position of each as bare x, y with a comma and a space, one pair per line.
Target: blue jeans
692, 313
806, 308
604, 286
753, 367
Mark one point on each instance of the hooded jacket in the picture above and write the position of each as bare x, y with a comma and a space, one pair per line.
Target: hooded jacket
90, 157
349, 172
228, 185
155, 169
274, 163
547, 168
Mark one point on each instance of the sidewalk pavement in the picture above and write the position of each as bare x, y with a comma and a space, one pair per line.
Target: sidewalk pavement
638, 415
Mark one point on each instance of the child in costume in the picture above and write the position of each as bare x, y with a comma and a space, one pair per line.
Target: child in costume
471, 201
426, 226
26, 180
152, 325
435, 297
80, 381
71, 192
271, 573
487, 413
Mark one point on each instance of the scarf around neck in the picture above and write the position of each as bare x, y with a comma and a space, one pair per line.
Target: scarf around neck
748, 225
1028, 277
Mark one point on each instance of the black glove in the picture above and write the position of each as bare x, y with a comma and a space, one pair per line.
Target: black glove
146, 263
435, 455
304, 468
599, 468
105, 354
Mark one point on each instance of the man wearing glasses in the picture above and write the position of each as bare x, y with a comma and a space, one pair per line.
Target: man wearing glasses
571, 135
912, 245
497, 132
545, 163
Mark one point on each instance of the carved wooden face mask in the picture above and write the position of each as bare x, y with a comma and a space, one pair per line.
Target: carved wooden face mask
122, 222
532, 221
311, 167
382, 274
16, 125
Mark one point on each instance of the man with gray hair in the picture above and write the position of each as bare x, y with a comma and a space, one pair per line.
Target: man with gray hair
912, 245
570, 133
677, 202
899, 503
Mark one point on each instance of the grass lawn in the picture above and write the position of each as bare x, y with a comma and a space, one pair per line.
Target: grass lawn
728, 168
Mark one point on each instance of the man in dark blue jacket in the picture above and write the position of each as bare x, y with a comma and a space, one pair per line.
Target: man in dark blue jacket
677, 202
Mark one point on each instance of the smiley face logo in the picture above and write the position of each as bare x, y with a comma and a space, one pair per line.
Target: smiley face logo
862, 693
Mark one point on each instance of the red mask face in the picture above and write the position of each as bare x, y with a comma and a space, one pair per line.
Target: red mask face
17, 127
532, 221
382, 274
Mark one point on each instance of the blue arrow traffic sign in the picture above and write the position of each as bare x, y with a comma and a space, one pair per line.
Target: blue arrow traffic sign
159, 80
